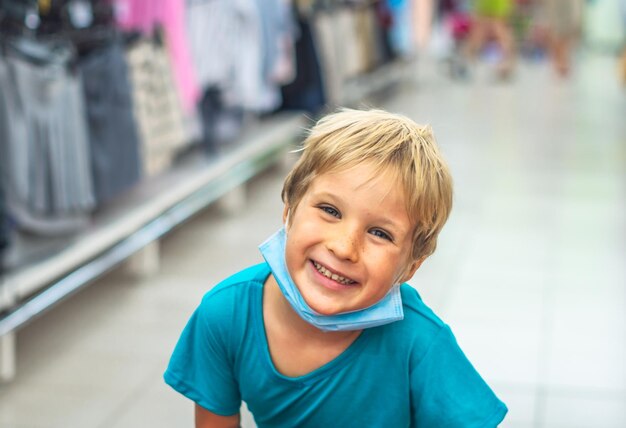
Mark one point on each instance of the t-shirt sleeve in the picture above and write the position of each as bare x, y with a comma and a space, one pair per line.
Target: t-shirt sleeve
201, 366
446, 390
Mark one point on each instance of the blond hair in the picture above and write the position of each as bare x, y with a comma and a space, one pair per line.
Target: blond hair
392, 142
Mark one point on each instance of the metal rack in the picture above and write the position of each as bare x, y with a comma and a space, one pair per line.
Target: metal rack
135, 224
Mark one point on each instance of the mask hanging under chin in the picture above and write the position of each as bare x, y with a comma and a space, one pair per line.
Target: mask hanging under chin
387, 310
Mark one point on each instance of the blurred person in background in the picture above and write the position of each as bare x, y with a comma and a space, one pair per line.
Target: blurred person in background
563, 21
454, 23
622, 66
491, 20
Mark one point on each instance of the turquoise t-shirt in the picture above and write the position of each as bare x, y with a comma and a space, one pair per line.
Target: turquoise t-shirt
407, 373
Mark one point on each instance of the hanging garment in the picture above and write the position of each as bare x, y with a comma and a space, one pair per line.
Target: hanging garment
16, 14
170, 16
224, 43
324, 28
278, 30
213, 31
114, 143
249, 60
244, 48
372, 50
306, 91
173, 21
157, 107
383, 25
401, 32
45, 162
350, 50
221, 123
4, 229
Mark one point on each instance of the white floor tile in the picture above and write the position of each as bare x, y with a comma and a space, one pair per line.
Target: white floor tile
570, 411
155, 406
587, 331
501, 352
521, 403
586, 358
54, 407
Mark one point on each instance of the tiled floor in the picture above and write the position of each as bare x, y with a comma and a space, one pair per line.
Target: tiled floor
530, 270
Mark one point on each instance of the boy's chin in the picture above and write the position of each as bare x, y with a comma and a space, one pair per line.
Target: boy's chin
329, 309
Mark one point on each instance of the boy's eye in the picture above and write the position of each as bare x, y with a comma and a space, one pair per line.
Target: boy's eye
381, 234
330, 210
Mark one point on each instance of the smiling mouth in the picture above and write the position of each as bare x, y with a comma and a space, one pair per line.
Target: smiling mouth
328, 274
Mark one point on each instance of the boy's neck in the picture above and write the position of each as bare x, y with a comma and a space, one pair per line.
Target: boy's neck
281, 311
296, 347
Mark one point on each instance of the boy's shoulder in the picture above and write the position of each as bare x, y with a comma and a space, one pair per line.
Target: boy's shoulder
420, 326
420, 329
229, 304
233, 286
256, 274
412, 337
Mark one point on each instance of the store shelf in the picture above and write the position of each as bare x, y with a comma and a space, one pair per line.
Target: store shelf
141, 217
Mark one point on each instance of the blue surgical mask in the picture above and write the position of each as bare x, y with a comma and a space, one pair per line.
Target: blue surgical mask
387, 310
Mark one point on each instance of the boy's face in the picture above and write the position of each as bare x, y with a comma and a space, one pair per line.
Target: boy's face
349, 240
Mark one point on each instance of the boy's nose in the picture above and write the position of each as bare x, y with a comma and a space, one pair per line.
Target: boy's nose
344, 245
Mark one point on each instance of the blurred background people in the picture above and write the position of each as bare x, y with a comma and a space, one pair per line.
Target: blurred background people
563, 20
491, 22
622, 62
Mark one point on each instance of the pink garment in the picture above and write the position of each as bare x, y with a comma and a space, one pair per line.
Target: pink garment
137, 14
145, 16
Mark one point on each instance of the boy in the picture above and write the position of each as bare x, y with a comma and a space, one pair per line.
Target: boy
323, 334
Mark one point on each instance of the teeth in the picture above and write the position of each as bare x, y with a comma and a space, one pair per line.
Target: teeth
328, 274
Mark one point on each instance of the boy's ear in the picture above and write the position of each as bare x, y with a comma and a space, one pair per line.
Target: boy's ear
285, 214
411, 269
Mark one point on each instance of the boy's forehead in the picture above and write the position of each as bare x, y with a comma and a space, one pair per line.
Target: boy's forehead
364, 176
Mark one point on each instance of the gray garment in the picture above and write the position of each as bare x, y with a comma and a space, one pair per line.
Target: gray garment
45, 162
213, 31
114, 143
235, 46
224, 40
325, 29
4, 229
278, 30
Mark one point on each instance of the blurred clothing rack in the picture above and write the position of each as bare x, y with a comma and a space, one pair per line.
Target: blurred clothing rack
148, 213
128, 228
